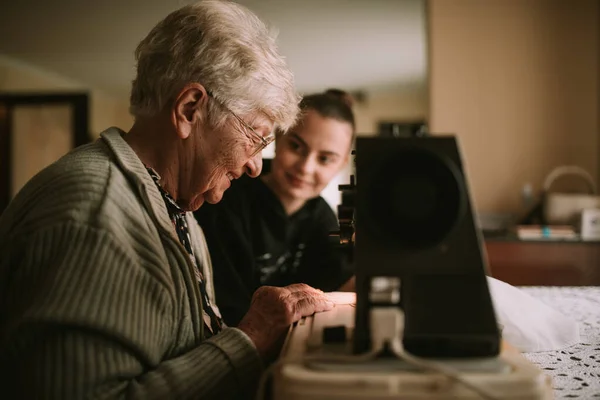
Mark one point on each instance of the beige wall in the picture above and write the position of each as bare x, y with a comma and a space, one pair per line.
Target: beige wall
518, 82
105, 110
401, 104
40, 135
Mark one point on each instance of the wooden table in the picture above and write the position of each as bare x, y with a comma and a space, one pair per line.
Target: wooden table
544, 263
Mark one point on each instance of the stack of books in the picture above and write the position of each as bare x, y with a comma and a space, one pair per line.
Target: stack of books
547, 232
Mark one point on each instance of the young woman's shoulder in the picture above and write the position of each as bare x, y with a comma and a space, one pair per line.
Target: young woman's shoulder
322, 211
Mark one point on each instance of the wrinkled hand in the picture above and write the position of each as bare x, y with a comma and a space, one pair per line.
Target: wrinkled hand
274, 309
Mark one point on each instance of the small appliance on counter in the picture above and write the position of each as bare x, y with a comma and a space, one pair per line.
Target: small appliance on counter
566, 208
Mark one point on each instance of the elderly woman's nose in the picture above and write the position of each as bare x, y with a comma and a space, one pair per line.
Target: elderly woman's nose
254, 166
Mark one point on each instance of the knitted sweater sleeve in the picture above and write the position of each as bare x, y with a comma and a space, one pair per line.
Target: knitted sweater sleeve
85, 319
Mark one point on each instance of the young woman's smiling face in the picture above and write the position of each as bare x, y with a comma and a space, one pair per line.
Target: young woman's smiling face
310, 155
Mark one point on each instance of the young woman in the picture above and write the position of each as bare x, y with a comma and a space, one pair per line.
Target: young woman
274, 230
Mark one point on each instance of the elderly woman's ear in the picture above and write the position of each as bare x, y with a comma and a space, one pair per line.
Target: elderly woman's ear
189, 108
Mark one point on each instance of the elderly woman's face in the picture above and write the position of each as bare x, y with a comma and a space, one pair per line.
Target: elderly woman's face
226, 154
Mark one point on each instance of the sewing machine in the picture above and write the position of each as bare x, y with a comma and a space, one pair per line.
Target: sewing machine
313, 366
423, 325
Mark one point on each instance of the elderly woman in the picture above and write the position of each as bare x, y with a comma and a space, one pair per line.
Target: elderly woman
105, 278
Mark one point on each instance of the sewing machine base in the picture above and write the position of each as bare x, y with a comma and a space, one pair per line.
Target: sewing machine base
509, 376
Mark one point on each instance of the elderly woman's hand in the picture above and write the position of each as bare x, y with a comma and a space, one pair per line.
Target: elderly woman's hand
274, 309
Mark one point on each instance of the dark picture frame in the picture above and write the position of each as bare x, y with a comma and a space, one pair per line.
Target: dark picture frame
79, 101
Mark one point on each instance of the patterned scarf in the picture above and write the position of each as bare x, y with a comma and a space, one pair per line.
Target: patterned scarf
212, 319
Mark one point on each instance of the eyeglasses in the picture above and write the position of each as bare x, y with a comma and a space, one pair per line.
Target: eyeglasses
262, 140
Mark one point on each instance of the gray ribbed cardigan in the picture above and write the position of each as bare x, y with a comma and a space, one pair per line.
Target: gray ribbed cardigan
98, 297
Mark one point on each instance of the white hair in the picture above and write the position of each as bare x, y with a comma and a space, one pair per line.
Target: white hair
226, 48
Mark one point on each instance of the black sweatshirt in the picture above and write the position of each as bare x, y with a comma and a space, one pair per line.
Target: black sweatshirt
252, 242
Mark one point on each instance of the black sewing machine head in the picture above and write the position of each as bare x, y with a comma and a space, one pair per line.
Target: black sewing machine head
416, 237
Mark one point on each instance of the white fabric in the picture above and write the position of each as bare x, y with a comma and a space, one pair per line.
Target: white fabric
528, 324
575, 371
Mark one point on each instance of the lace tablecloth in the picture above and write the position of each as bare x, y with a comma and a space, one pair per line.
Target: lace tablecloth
575, 370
